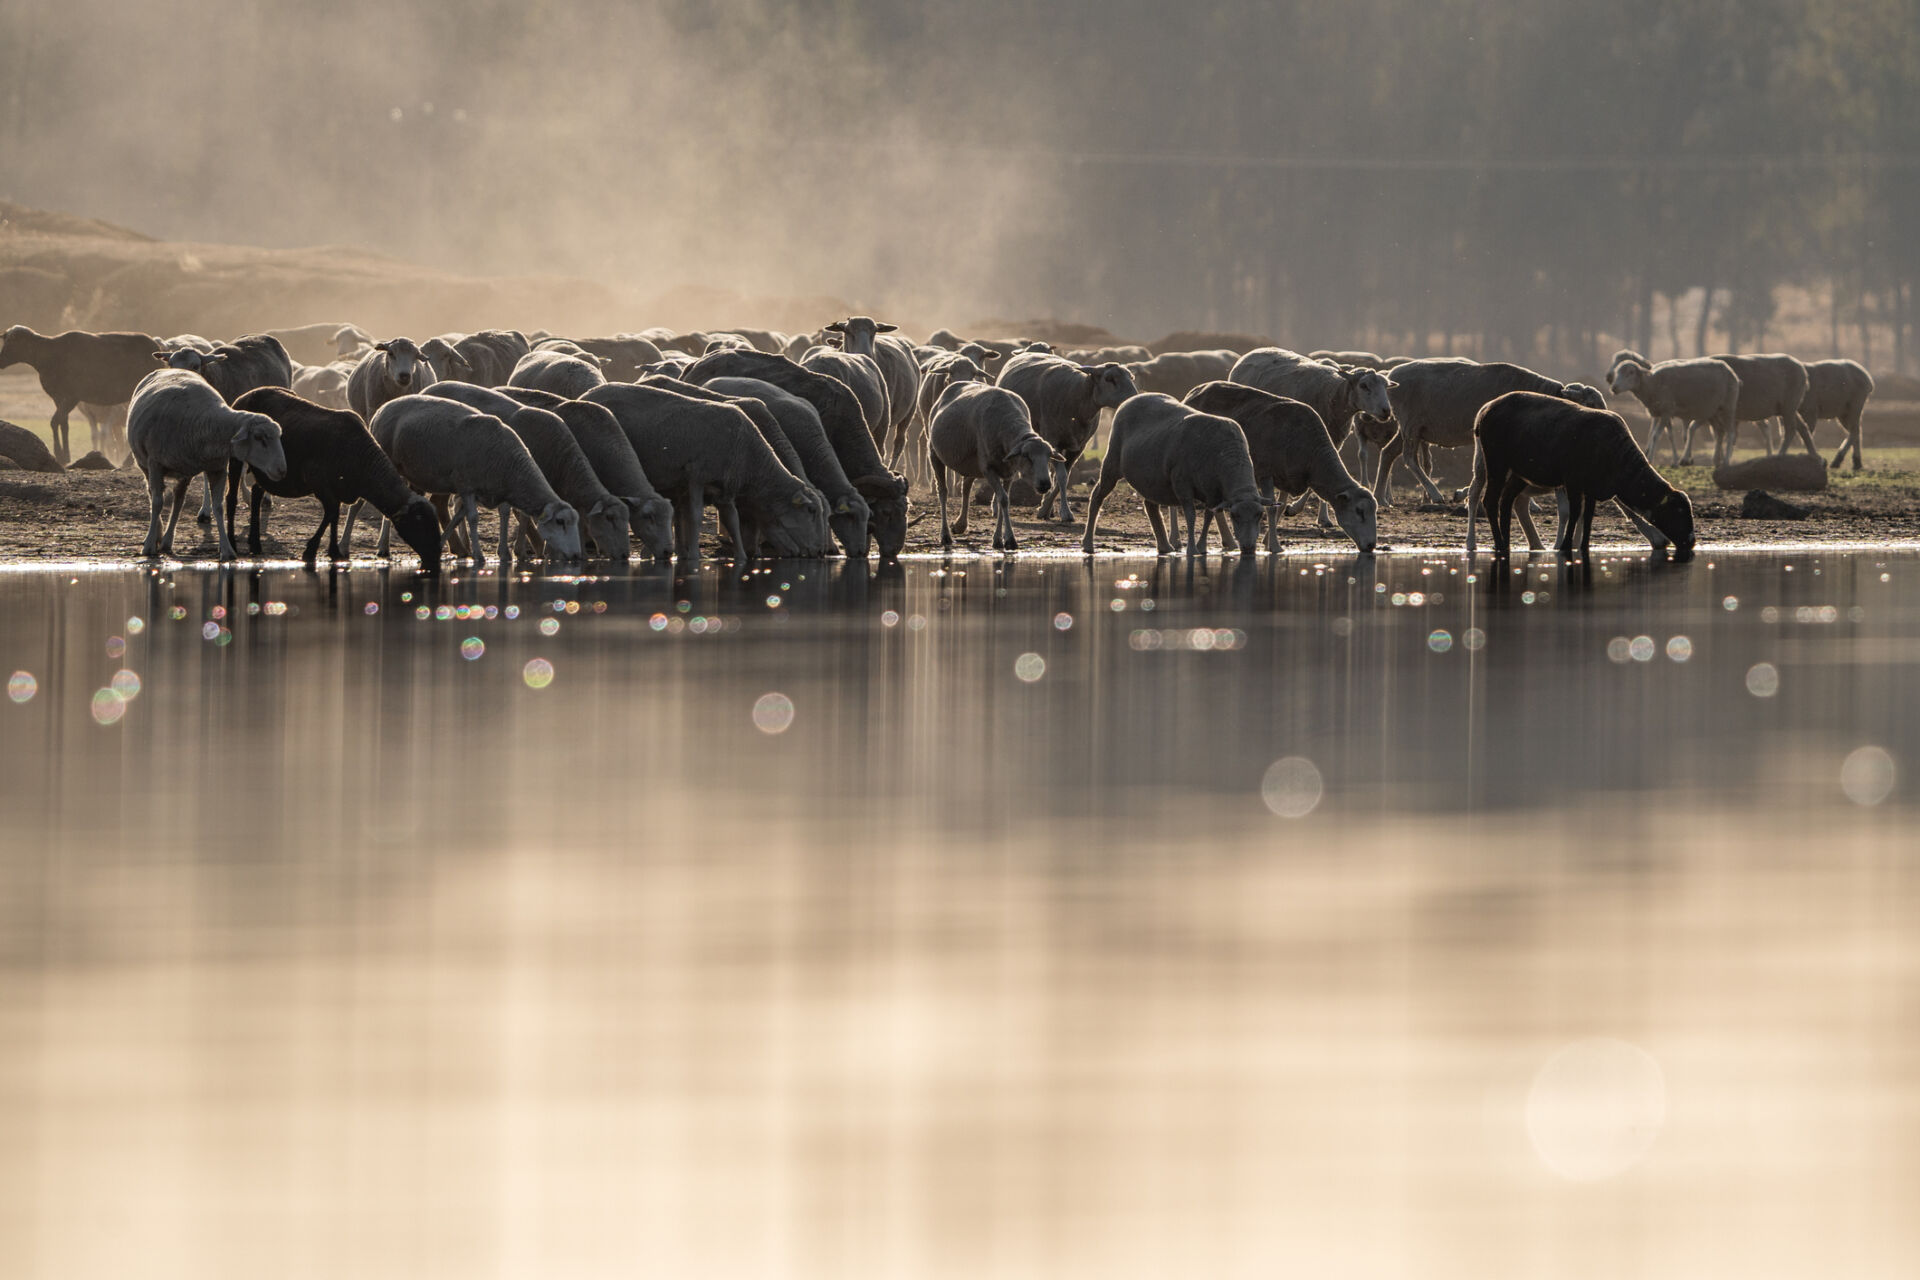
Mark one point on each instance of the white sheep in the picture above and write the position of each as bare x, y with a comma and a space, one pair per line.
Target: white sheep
179, 427
1699, 390
1838, 389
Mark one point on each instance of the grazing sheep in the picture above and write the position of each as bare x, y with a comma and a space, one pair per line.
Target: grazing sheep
902, 376
1178, 372
1838, 389
178, 426
700, 452
331, 456
389, 370
611, 454
323, 384
940, 373
1435, 402
555, 371
1699, 390
861, 375
848, 514
846, 429
444, 447
603, 516
985, 432
1065, 401
316, 343
98, 368
1292, 454
1525, 439
1176, 456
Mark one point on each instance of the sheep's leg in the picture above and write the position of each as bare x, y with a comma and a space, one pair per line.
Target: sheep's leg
1502, 517
179, 500
696, 507
156, 502
1003, 539
1383, 478
1527, 527
1563, 530
470, 504
940, 487
346, 537
1097, 499
1586, 528
216, 483
1060, 473
1795, 423
1298, 504
329, 512
1267, 496
57, 428
1656, 539
234, 474
1420, 472
730, 518
505, 514
1160, 542
1850, 423
1686, 459
966, 503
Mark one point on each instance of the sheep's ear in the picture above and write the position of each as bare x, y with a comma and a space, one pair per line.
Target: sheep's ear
163, 356
836, 327
799, 499
1057, 456
383, 346
1393, 386
885, 328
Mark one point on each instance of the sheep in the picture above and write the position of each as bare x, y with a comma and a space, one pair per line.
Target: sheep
699, 452
623, 355
848, 514
1838, 389
861, 375
1176, 456
1699, 390
603, 516
671, 363
331, 456
1292, 453
324, 385
1525, 438
1435, 402
443, 446
945, 339
316, 343
941, 373
902, 376
350, 340
389, 369
1350, 359
440, 351
554, 371
1339, 396
1772, 386
846, 429
986, 432
1065, 401
99, 368
177, 425
726, 342
611, 454
1178, 372
768, 425
233, 369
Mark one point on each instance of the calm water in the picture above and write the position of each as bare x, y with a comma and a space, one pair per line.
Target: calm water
1336, 918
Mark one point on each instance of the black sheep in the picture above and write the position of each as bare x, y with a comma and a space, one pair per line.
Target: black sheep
1524, 439
332, 457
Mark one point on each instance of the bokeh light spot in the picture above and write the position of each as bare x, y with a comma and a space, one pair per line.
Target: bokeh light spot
1292, 787
1868, 776
773, 713
1595, 1109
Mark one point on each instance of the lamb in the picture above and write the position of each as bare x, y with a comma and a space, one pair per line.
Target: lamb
442, 446
1176, 456
316, 343
324, 385
389, 369
611, 454
1524, 438
554, 371
1435, 402
983, 431
846, 430
1178, 372
1292, 453
1838, 389
179, 426
861, 375
99, 368
603, 516
1065, 401
848, 514
699, 452
331, 456
1700, 390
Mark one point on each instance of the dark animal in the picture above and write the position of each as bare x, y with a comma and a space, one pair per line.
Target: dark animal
99, 368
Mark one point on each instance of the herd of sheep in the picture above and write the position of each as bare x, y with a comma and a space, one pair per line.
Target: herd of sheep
587, 447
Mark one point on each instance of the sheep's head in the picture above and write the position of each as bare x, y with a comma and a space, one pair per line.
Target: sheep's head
801, 528
404, 363
446, 362
606, 523
419, 527
257, 444
886, 496
857, 333
13, 332
1673, 516
559, 527
982, 358
184, 358
348, 338
652, 521
1582, 394
1113, 386
1370, 392
848, 520
1626, 377
1038, 456
1358, 515
1245, 514
1035, 345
